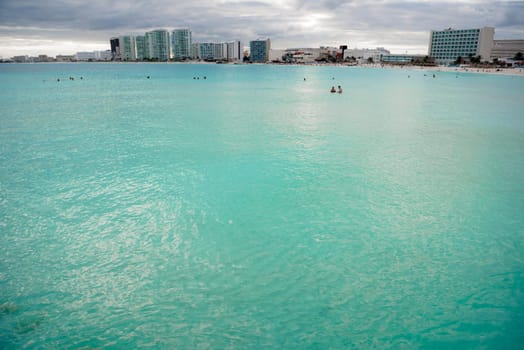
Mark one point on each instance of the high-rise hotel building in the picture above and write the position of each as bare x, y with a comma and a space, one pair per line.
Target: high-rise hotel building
259, 50
447, 45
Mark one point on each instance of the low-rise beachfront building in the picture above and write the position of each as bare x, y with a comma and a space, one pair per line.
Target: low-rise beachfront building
403, 59
330, 54
259, 50
43, 58
301, 55
446, 46
85, 56
65, 58
104, 55
21, 59
507, 49
364, 55
277, 55
94, 55
29, 59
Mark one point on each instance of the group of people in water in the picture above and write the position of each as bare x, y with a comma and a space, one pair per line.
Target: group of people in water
70, 78
333, 90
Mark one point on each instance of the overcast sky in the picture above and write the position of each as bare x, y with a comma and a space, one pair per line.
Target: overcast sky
31, 27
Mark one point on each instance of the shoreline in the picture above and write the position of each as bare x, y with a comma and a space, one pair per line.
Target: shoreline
446, 69
443, 69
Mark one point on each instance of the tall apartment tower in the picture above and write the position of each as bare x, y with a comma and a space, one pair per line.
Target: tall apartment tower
115, 48
234, 51
220, 51
206, 51
259, 50
157, 45
181, 44
127, 48
140, 42
447, 45
195, 51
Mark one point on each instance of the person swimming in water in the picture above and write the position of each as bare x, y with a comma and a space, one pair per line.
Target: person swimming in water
339, 89
333, 90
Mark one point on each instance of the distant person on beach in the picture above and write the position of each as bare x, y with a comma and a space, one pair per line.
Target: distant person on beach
339, 89
333, 90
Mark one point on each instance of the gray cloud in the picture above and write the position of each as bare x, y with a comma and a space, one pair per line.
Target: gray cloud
388, 23
322, 4
512, 16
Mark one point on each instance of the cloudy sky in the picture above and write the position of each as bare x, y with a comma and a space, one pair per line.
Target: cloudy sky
66, 26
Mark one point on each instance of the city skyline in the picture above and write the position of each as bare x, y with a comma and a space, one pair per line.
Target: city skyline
67, 26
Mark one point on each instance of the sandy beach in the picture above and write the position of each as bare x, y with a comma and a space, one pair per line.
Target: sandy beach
497, 71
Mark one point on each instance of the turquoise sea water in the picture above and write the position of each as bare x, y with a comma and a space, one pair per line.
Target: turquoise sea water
253, 209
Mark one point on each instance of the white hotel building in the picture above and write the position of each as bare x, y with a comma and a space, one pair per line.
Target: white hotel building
447, 45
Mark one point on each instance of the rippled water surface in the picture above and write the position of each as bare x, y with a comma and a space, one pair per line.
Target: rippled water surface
250, 208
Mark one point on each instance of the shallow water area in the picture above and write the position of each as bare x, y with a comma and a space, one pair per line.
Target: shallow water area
244, 206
